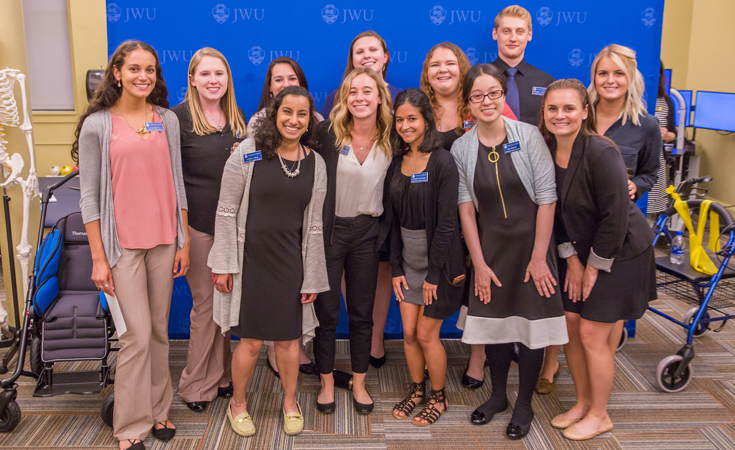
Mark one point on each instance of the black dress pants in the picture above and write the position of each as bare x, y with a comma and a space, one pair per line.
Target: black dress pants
352, 251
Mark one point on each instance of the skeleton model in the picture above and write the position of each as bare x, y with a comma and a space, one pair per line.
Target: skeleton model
9, 118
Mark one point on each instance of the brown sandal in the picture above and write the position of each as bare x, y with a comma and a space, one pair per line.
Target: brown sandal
431, 413
416, 391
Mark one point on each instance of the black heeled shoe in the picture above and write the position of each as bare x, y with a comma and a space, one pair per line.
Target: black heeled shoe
268, 363
515, 431
225, 392
363, 408
481, 418
377, 362
309, 369
136, 446
197, 406
165, 433
469, 382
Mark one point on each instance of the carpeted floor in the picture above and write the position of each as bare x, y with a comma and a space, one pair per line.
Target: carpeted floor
701, 417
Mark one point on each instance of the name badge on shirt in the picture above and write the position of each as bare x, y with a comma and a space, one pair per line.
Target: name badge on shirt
345, 150
511, 147
468, 124
153, 126
538, 90
422, 177
253, 156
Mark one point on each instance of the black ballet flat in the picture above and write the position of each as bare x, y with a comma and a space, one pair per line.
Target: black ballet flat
377, 362
165, 433
268, 363
469, 382
309, 369
515, 431
326, 408
363, 408
225, 392
197, 406
480, 418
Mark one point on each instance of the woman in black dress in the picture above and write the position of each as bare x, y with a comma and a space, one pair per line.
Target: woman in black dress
275, 192
426, 253
506, 202
606, 257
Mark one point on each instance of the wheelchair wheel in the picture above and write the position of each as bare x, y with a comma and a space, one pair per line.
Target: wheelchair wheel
10, 418
702, 327
665, 374
108, 406
35, 355
623, 339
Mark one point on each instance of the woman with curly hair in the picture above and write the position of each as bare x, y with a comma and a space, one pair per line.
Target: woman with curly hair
267, 279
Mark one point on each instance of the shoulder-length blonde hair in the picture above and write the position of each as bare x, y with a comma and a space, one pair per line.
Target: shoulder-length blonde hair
634, 106
464, 67
342, 120
227, 102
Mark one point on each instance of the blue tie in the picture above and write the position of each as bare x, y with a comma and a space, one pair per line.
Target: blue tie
512, 98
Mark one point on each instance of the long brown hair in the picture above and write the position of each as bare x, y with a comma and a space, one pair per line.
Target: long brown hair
266, 97
342, 118
227, 103
589, 125
464, 67
351, 66
108, 92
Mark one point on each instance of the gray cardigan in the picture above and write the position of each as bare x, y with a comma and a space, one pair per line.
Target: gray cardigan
227, 252
96, 182
532, 162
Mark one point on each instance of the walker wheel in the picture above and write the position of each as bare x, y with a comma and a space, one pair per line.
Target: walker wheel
108, 407
35, 355
10, 418
701, 327
623, 339
665, 374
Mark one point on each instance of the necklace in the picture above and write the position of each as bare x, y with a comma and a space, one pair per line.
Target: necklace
217, 123
141, 131
291, 173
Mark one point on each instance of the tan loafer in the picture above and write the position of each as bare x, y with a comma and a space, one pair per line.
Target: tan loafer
544, 386
293, 423
242, 424
573, 434
563, 423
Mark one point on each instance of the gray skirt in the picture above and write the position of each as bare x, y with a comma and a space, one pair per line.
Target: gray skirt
415, 264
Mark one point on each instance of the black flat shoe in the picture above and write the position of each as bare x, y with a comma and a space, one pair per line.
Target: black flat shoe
225, 392
480, 418
469, 382
309, 369
515, 431
164, 434
268, 363
326, 408
137, 446
377, 362
197, 406
363, 408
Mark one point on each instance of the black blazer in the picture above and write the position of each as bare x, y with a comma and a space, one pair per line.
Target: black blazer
446, 257
326, 147
595, 207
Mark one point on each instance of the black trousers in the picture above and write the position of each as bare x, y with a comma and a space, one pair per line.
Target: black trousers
351, 251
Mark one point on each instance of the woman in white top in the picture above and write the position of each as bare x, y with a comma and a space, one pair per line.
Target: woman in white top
355, 145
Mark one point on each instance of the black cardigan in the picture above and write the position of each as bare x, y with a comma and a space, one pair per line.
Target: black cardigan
446, 257
326, 147
595, 207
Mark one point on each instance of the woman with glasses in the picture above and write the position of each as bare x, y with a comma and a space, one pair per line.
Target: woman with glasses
507, 195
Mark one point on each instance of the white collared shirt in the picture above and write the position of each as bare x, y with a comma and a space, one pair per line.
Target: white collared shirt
360, 186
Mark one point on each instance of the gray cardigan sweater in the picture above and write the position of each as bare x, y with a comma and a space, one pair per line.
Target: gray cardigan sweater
227, 252
532, 162
96, 181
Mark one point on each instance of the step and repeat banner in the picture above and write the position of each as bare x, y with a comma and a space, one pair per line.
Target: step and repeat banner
567, 35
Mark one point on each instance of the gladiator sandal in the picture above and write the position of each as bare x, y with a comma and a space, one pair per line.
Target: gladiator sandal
417, 391
431, 413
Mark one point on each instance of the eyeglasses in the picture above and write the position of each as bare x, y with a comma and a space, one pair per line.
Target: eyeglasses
492, 95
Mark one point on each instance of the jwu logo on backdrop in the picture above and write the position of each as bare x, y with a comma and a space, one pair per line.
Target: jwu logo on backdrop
114, 13
175, 55
221, 14
476, 56
181, 94
545, 16
438, 15
257, 54
331, 14
649, 16
576, 57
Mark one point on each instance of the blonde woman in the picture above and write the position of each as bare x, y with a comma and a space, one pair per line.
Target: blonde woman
211, 124
355, 144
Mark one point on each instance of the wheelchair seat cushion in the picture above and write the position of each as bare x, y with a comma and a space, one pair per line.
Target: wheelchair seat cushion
74, 328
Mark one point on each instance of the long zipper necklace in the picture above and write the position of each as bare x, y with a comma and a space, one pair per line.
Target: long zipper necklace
493, 157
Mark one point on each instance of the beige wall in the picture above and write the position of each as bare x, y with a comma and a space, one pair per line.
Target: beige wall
698, 41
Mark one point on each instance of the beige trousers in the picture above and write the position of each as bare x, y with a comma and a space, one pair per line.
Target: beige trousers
143, 392
209, 360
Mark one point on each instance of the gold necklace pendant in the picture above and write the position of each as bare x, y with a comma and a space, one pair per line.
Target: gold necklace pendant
493, 156
142, 131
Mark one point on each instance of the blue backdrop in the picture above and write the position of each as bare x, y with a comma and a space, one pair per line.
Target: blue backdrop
567, 35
